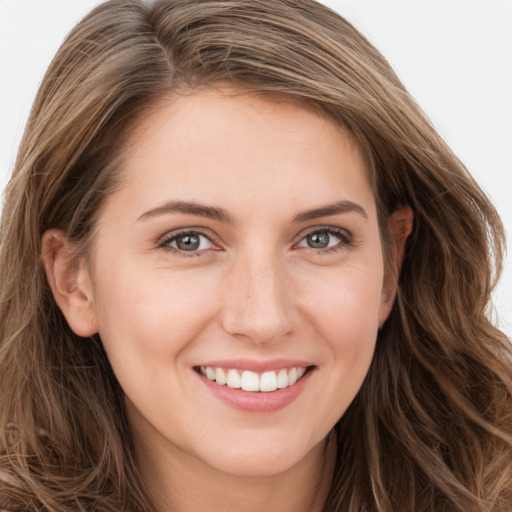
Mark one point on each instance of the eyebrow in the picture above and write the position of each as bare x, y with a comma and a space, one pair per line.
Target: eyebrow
221, 215
190, 208
331, 209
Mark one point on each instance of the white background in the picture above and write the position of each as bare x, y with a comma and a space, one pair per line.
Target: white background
454, 56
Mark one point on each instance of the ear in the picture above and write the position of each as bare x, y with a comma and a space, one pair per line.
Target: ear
400, 227
70, 282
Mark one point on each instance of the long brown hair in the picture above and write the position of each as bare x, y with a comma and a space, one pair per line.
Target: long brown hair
431, 428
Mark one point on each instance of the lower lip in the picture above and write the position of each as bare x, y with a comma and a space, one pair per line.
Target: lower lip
261, 401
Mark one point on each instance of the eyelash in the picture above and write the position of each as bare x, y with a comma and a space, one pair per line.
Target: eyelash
345, 241
167, 240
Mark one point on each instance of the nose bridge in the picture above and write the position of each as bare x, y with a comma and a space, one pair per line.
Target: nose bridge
257, 302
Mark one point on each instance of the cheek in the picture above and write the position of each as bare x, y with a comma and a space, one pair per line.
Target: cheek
345, 305
345, 318
344, 314
152, 314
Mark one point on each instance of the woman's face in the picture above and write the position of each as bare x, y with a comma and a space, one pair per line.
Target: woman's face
242, 246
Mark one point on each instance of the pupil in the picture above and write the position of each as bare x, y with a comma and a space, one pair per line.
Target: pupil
318, 240
188, 242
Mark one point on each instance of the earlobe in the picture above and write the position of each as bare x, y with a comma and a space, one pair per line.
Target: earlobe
70, 282
400, 227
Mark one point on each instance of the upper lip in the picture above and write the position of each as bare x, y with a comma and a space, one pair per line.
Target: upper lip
256, 365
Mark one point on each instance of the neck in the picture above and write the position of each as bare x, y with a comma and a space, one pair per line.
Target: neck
182, 483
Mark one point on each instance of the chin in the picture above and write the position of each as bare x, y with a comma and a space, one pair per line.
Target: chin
260, 456
261, 465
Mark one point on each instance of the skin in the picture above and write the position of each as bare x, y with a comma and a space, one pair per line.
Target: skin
255, 289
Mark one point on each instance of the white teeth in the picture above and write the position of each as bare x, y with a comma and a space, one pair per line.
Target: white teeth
252, 381
220, 376
268, 381
233, 380
282, 379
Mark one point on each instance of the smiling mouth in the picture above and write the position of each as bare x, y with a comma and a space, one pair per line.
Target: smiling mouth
252, 381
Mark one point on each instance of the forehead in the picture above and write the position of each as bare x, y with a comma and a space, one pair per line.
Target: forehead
226, 144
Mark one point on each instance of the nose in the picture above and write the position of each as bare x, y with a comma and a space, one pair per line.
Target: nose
257, 304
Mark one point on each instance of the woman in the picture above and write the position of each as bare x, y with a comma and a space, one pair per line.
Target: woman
240, 269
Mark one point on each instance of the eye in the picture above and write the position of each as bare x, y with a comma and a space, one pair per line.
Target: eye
188, 241
327, 238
